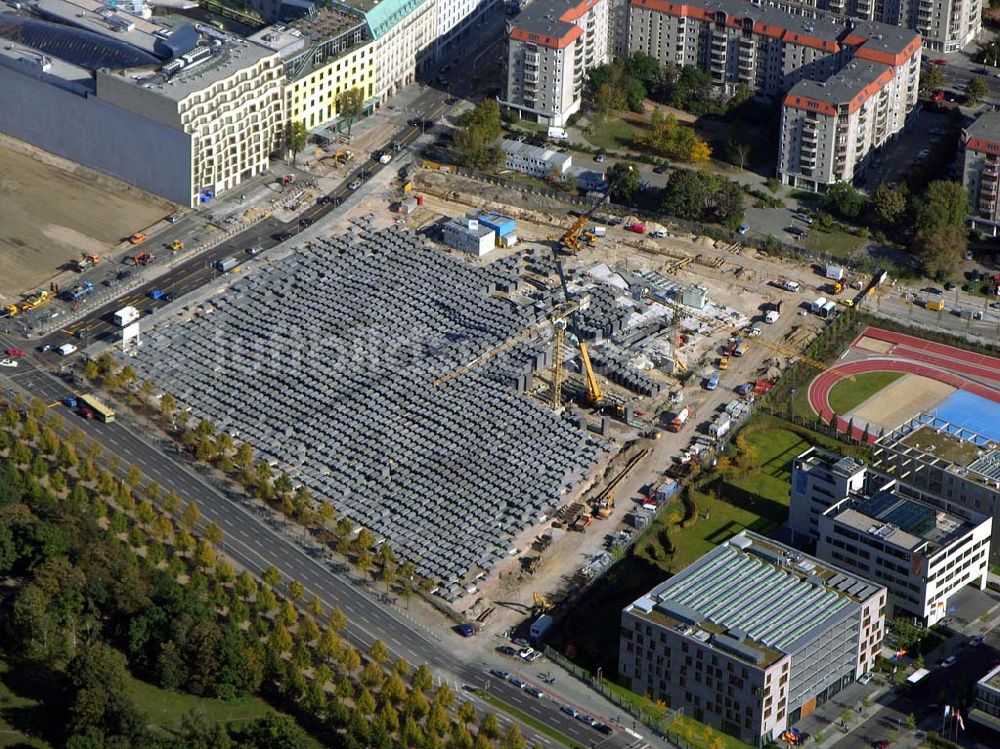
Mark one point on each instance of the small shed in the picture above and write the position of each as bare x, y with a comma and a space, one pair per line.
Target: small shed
540, 627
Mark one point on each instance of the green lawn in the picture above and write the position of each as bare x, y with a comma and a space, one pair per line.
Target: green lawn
837, 243
701, 736
17, 711
164, 709
845, 396
614, 134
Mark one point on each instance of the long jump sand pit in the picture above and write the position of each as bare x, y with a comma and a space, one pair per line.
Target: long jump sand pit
867, 343
902, 400
51, 210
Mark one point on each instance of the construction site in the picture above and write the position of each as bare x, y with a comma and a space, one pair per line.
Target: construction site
501, 420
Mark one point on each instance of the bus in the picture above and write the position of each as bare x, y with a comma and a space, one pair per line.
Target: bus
104, 414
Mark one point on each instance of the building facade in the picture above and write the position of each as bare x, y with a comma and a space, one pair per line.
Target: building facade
195, 116
751, 637
469, 235
830, 130
819, 481
986, 701
959, 469
324, 55
405, 37
981, 170
457, 19
548, 50
921, 553
762, 48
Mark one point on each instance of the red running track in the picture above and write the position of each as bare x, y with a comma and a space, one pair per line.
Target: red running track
989, 363
819, 388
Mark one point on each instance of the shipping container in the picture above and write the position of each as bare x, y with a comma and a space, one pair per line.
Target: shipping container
834, 273
226, 264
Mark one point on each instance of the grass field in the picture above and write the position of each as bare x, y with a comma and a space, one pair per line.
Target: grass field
701, 736
614, 134
17, 710
845, 396
837, 243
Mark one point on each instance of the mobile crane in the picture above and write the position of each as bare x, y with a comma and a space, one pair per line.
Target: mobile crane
570, 240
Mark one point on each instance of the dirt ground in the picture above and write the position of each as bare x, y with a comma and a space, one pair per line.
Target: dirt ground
51, 210
907, 396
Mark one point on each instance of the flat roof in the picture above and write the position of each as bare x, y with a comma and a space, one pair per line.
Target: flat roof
32, 62
838, 464
329, 22
462, 225
755, 598
95, 16
985, 129
856, 79
942, 444
549, 20
527, 150
992, 679
901, 521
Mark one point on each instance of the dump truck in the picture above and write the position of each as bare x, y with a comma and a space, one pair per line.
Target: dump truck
126, 316
143, 258
679, 419
87, 260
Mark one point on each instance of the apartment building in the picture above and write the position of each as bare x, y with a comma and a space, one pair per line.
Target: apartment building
944, 25
550, 46
764, 48
986, 700
958, 468
183, 112
921, 553
981, 171
831, 129
751, 637
324, 55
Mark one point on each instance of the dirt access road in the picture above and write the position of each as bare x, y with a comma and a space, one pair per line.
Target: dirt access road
51, 210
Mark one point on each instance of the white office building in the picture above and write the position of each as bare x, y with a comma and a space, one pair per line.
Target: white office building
535, 161
469, 235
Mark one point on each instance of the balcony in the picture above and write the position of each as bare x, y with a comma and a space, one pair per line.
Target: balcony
533, 58
530, 77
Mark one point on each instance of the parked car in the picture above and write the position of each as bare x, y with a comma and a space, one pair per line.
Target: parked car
8, 362
950, 286
354, 185
518, 683
603, 728
864, 678
500, 673
584, 718
526, 653
744, 228
600, 158
803, 217
948, 662
466, 630
507, 650
659, 169
940, 61
745, 388
255, 250
305, 221
571, 711
976, 641
796, 231
535, 692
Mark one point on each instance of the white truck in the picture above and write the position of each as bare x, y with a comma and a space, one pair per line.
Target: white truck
126, 316
720, 427
771, 316
817, 305
557, 133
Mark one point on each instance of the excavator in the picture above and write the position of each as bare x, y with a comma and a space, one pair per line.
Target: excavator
569, 243
604, 506
87, 260
542, 603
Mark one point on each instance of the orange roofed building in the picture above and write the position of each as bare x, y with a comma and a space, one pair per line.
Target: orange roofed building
981, 171
550, 46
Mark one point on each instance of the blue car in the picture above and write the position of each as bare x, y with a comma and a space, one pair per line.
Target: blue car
466, 630
744, 228
745, 388
69, 401
712, 382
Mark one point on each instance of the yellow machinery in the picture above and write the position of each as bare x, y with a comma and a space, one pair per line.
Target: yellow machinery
35, 300
542, 603
570, 240
176, 245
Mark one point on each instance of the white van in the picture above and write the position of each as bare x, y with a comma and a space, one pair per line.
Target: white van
66, 349
557, 133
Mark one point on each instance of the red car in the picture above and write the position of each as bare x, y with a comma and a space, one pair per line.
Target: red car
937, 96
16, 352
87, 413
940, 61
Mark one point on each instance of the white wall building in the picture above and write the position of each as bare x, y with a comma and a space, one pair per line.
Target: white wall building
819, 480
921, 553
751, 637
535, 161
469, 235
550, 46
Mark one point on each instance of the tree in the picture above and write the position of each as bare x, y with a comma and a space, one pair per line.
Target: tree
295, 138
477, 135
379, 652
931, 78
977, 89
191, 516
845, 200
890, 203
624, 181
685, 195
350, 105
272, 577
939, 237
213, 533
274, 731
911, 719
489, 726
295, 590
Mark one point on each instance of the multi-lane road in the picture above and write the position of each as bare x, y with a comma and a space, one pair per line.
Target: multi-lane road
255, 541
